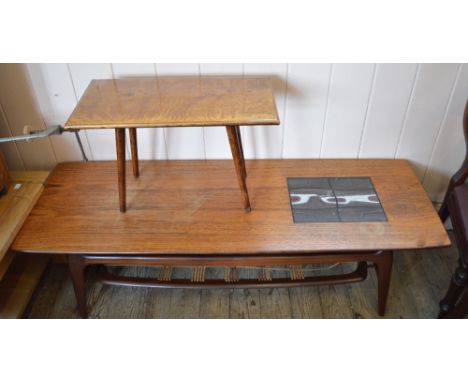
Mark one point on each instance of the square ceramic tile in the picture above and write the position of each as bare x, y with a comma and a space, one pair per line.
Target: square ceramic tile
346, 199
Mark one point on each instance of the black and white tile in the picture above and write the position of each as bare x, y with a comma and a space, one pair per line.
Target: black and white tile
345, 199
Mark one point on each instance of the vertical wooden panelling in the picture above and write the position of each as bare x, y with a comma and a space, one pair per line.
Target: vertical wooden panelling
342, 110
267, 141
306, 102
102, 142
350, 86
10, 150
183, 142
425, 113
19, 109
216, 141
151, 142
133, 70
56, 99
387, 109
449, 148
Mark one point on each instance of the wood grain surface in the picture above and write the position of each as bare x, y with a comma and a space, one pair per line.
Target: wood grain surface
192, 207
23, 191
175, 102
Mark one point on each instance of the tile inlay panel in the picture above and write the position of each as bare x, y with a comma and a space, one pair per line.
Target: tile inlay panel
345, 199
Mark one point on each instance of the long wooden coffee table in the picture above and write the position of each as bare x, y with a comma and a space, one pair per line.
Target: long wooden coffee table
195, 221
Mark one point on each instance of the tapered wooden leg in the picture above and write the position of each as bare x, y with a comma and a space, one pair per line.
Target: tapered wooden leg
236, 156
241, 150
76, 265
120, 144
134, 150
383, 265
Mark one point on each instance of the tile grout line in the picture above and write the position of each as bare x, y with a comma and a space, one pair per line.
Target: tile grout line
442, 123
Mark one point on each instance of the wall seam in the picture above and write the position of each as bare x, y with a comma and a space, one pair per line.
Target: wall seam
76, 100
408, 106
7, 124
284, 109
330, 79
442, 123
369, 100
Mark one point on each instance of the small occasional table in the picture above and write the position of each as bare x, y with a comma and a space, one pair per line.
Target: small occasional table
306, 212
190, 101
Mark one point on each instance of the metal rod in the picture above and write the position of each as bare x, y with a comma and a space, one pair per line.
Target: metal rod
52, 130
77, 135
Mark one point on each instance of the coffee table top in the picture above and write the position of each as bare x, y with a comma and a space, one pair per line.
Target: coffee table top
175, 102
193, 207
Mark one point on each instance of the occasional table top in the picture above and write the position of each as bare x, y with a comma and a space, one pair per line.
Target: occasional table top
174, 102
193, 207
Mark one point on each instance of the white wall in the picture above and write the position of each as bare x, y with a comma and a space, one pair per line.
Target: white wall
411, 111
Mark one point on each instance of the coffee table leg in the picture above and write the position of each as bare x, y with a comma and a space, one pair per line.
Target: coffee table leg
134, 150
76, 265
236, 156
241, 150
120, 144
383, 266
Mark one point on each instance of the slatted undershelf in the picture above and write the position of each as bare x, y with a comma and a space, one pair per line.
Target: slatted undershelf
237, 277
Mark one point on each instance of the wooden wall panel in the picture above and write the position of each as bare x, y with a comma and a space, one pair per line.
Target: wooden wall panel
306, 103
9, 150
216, 141
344, 110
350, 87
449, 147
56, 98
183, 142
387, 108
151, 142
267, 141
20, 109
102, 142
426, 111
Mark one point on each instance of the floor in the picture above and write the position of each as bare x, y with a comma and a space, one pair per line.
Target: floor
419, 281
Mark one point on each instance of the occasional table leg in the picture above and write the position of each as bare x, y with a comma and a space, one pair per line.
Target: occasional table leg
236, 156
383, 265
134, 150
76, 265
241, 150
120, 143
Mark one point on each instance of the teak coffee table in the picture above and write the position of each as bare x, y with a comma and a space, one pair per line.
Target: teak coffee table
304, 212
189, 101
